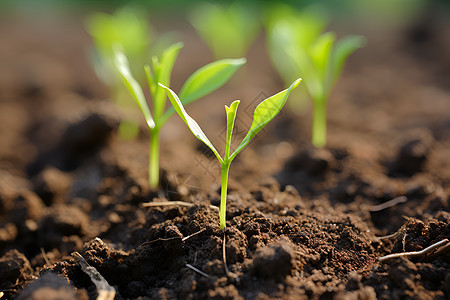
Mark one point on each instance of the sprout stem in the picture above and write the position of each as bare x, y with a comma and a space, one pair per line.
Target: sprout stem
223, 195
319, 130
153, 167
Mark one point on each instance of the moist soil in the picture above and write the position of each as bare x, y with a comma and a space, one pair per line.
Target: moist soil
302, 223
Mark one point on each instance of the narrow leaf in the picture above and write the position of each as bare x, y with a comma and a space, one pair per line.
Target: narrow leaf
165, 70
209, 78
320, 52
152, 83
191, 123
133, 86
305, 67
343, 49
264, 113
231, 117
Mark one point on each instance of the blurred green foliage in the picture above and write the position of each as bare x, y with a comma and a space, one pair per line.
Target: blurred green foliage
288, 29
298, 47
392, 10
127, 27
227, 30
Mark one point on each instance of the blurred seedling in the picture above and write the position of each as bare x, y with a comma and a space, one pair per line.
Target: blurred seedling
201, 83
263, 114
297, 46
128, 27
228, 31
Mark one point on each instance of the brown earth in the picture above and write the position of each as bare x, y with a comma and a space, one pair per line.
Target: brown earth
302, 223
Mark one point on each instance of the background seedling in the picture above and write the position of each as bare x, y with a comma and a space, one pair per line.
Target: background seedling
128, 27
297, 46
202, 82
263, 114
228, 31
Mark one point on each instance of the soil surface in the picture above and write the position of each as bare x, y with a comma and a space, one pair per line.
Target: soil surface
302, 223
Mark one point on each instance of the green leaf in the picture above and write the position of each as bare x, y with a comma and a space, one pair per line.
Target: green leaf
305, 67
100, 27
343, 49
165, 70
128, 27
206, 80
231, 117
133, 86
152, 83
303, 27
191, 123
320, 52
310, 23
278, 34
209, 78
264, 113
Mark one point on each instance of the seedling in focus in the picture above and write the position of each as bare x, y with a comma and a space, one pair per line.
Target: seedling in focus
263, 114
201, 83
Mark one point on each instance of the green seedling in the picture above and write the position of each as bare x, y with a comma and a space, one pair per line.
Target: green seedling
318, 57
228, 31
201, 83
263, 114
129, 28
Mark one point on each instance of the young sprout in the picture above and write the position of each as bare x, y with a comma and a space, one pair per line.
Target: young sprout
129, 28
317, 57
263, 114
228, 31
202, 82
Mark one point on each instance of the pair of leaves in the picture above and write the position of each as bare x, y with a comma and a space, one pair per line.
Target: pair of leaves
328, 57
322, 62
262, 115
200, 83
318, 57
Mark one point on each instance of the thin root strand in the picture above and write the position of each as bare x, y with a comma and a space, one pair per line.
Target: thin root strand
442, 245
174, 203
388, 204
197, 270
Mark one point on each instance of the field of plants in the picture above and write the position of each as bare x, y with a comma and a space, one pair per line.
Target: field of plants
247, 150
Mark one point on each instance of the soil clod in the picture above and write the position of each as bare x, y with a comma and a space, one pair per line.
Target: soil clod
274, 260
52, 287
414, 153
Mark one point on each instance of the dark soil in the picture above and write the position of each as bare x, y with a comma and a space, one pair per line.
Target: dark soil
302, 223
